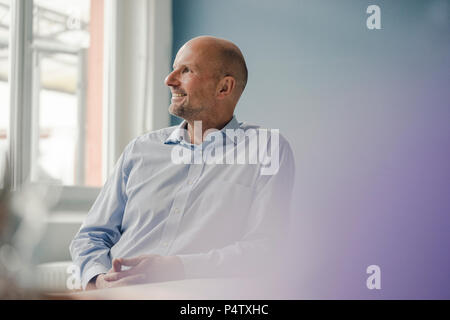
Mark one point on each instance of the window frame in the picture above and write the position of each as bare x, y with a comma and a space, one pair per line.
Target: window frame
152, 108
20, 85
22, 111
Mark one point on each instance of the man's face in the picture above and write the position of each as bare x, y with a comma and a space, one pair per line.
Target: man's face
192, 82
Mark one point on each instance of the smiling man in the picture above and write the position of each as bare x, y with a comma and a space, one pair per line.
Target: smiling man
208, 79
157, 220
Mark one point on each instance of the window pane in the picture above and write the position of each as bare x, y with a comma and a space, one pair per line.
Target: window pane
67, 91
4, 70
58, 119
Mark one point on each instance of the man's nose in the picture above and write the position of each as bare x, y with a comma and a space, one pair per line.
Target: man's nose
171, 79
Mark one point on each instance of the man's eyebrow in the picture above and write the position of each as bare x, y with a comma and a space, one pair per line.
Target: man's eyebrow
185, 65
175, 66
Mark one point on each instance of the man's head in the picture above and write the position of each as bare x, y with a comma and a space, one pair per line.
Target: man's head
209, 75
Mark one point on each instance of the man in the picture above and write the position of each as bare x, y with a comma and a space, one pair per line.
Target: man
158, 218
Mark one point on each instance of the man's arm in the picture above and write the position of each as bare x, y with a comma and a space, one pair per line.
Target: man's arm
101, 230
92, 284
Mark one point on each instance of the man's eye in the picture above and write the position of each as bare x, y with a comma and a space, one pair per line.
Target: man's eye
186, 70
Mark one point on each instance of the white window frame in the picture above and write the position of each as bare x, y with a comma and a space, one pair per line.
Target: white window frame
149, 101
20, 82
136, 99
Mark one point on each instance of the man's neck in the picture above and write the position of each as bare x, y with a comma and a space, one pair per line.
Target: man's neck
197, 131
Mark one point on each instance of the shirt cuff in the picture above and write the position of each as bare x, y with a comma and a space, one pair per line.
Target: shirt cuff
91, 272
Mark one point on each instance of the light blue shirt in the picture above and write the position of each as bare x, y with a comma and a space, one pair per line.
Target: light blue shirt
219, 219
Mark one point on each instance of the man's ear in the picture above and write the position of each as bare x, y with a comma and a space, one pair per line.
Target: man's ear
225, 87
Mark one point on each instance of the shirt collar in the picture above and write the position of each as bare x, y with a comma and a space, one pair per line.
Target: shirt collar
180, 133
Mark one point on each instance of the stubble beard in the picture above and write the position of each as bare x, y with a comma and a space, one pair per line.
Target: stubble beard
186, 112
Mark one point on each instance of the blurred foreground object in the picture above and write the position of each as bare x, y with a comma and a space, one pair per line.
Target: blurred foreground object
22, 224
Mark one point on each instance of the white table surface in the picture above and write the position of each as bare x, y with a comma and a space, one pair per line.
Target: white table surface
192, 289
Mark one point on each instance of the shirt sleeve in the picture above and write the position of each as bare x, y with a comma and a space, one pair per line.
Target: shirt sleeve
90, 248
265, 233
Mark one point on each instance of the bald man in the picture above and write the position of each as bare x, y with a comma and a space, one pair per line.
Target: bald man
181, 202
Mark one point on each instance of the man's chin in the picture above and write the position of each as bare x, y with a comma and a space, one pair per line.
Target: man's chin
176, 110
181, 111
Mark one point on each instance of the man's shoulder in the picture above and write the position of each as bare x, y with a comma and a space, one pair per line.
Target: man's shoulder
271, 132
158, 136
248, 125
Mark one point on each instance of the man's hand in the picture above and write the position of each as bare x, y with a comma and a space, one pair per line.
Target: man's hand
99, 282
144, 269
102, 283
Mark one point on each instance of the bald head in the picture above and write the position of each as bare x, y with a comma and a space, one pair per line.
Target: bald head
225, 57
208, 78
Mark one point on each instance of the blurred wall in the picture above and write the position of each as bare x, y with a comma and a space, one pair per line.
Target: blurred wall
367, 114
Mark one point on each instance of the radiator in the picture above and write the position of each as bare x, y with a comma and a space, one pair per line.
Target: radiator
53, 276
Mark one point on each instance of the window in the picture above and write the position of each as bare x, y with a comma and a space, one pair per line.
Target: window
4, 66
67, 92
57, 90
80, 87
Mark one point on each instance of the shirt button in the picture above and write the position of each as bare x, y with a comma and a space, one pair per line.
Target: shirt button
176, 210
164, 244
190, 182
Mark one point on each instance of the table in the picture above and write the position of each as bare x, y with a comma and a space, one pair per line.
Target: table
191, 289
